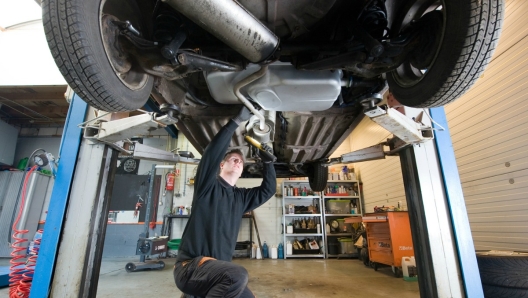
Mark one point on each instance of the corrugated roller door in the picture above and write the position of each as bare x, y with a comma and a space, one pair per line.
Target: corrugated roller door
489, 129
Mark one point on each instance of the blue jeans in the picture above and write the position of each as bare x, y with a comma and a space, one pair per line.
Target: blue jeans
212, 278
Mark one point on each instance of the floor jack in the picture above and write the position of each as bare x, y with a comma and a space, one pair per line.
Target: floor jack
148, 246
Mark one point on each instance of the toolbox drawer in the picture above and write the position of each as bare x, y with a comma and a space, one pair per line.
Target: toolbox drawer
378, 228
381, 256
380, 243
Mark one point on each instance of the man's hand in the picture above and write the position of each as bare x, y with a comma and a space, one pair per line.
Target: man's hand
243, 115
266, 156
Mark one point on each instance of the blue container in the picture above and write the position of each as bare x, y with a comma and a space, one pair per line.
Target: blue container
265, 253
281, 251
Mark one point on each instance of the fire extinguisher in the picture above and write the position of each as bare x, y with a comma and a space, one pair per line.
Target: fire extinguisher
169, 183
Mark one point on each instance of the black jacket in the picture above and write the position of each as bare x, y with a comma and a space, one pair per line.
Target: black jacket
218, 207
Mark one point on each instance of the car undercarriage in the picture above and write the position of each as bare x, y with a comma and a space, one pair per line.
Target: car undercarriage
303, 68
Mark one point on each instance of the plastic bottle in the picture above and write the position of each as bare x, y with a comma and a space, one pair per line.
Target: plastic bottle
409, 269
265, 254
280, 251
289, 248
274, 252
259, 255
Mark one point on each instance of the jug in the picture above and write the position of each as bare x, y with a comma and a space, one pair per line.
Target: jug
281, 251
265, 251
409, 269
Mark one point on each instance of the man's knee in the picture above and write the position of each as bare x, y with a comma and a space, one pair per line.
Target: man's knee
240, 275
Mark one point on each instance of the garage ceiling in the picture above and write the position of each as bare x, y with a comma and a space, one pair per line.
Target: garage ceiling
33, 106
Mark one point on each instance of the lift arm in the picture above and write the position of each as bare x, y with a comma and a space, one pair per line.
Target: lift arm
406, 132
116, 134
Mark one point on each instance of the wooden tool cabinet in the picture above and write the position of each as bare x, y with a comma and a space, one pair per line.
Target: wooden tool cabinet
389, 238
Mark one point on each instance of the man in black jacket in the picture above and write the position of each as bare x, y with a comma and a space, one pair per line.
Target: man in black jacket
203, 267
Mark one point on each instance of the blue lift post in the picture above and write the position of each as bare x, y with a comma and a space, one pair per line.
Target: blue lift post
457, 206
69, 148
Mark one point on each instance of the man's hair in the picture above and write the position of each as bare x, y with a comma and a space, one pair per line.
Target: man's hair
233, 151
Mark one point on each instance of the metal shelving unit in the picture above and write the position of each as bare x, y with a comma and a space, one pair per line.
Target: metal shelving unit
328, 217
300, 200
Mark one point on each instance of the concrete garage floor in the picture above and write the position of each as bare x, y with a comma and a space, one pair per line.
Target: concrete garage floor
291, 278
267, 278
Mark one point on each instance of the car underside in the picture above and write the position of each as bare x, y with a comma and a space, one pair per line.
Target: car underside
303, 67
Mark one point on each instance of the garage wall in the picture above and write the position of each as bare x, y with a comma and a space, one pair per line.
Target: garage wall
489, 130
382, 179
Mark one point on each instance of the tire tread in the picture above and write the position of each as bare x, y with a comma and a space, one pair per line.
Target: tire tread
485, 24
71, 50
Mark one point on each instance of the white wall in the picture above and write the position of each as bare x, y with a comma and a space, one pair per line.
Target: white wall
25, 58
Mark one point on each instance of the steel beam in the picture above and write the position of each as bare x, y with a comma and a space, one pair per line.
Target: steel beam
77, 267
457, 206
431, 225
68, 151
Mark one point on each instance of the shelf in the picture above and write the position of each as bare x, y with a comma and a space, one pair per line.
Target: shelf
338, 234
341, 197
176, 216
313, 199
353, 255
301, 197
344, 214
302, 214
349, 181
305, 256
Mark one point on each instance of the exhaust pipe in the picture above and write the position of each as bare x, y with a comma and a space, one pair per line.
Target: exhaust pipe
232, 24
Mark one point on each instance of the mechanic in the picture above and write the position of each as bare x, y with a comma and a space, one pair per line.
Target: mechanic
203, 267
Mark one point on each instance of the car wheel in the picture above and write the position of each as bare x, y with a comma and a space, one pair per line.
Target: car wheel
161, 265
317, 176
503, 292
130, 267
504, 269
83, 39
456, 40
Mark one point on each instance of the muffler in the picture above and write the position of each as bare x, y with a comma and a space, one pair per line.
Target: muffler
230, 22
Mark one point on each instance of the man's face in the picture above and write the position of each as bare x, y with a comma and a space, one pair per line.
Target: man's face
233, 164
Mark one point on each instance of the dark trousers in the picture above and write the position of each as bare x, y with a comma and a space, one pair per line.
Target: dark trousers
212, 278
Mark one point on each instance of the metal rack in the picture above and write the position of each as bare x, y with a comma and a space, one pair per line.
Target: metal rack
328, 217
300, 200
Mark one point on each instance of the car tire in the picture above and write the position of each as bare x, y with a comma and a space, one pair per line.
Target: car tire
472, 28
74, 37
504, 292
317, 176
504, 269
130, 267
